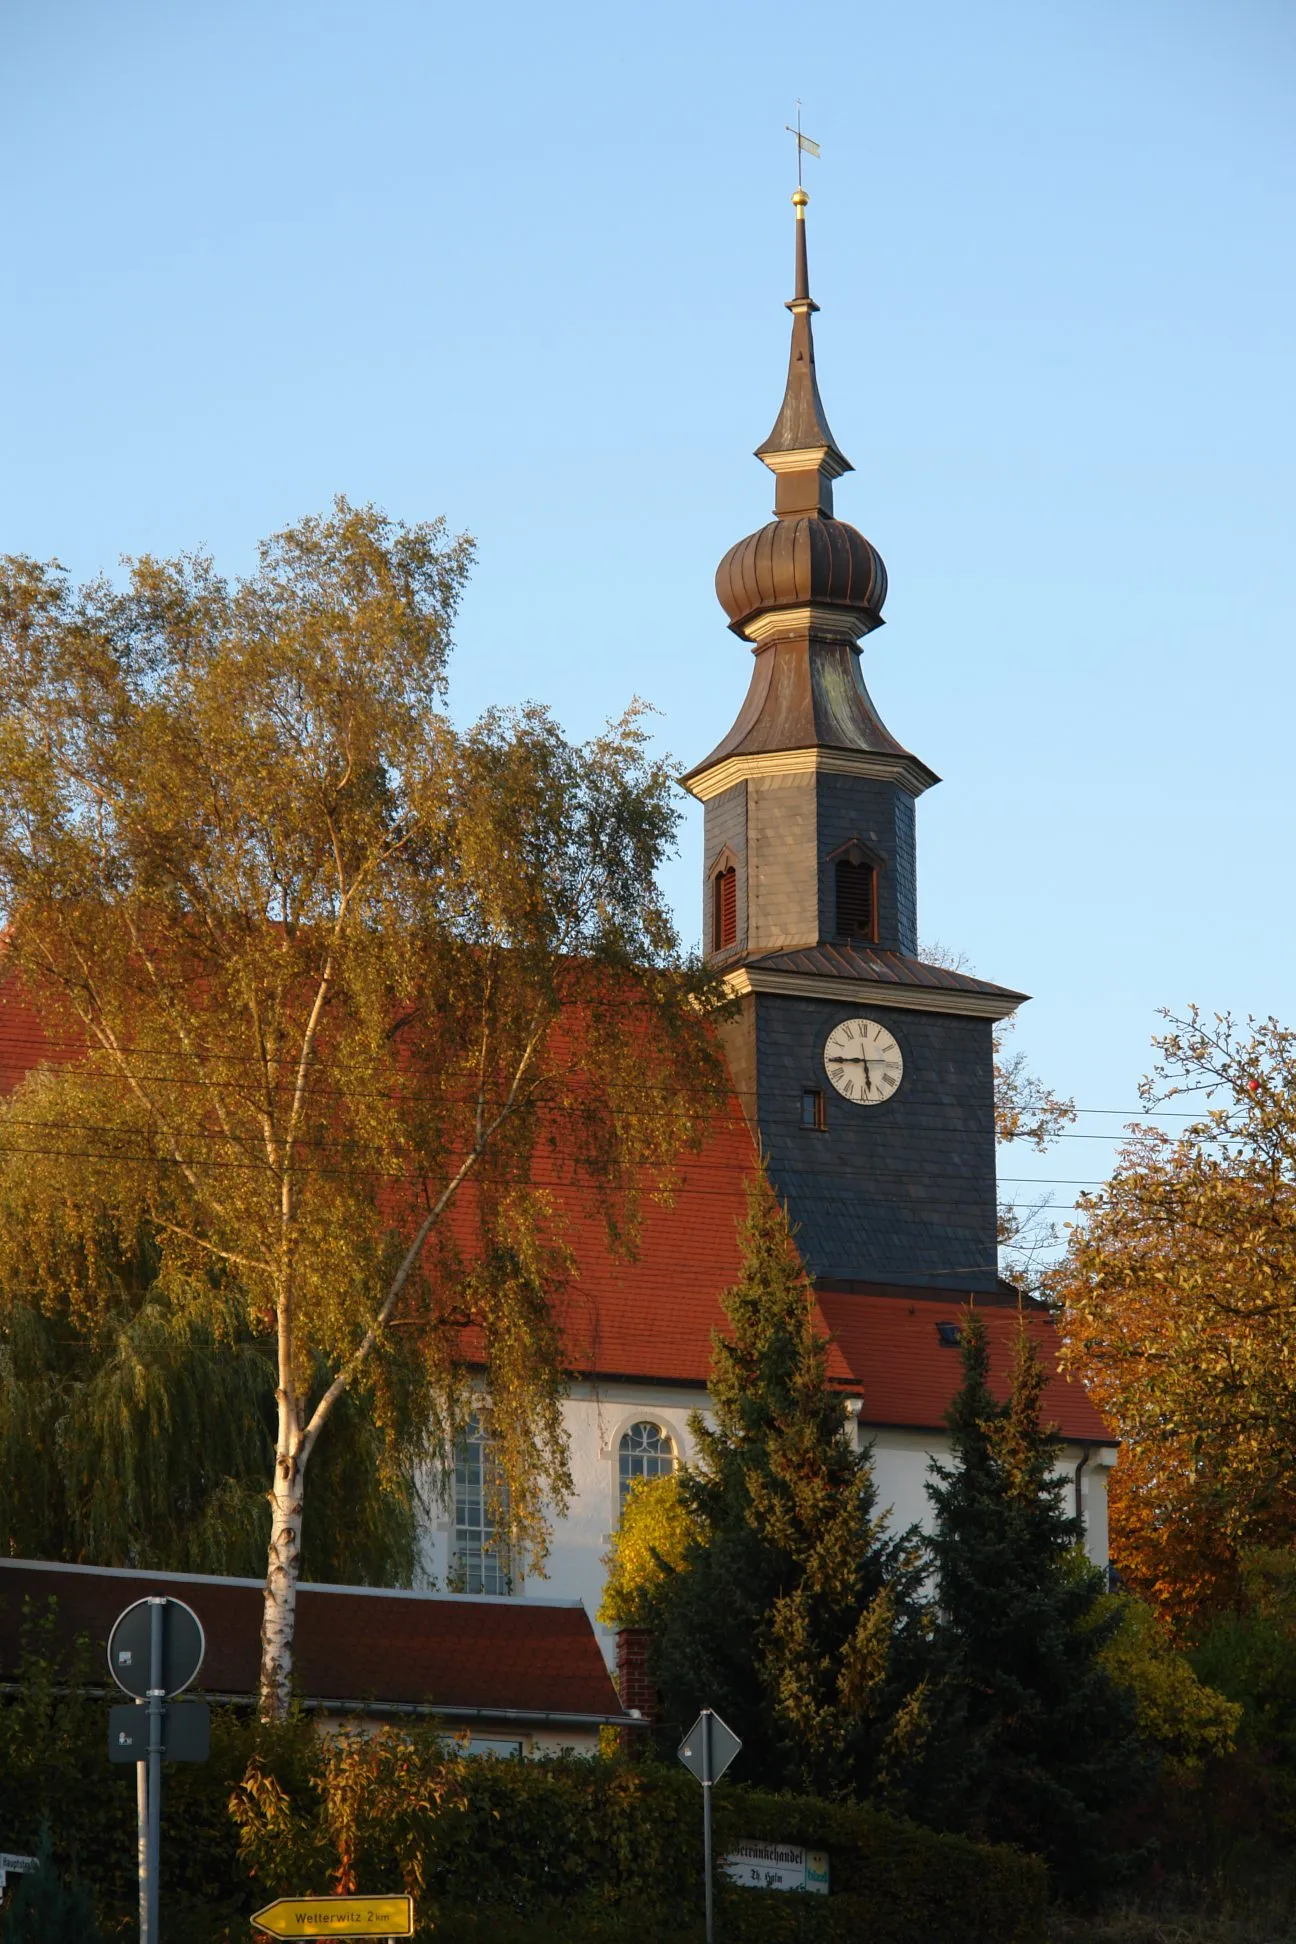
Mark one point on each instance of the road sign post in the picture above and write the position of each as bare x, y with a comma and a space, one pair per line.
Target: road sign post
156, 1698
154, 1652
706, 1751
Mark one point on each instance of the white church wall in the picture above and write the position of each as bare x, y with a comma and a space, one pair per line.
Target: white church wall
596, 1416
901, 1467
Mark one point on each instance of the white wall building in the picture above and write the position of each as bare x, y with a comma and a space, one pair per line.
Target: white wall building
620, 1430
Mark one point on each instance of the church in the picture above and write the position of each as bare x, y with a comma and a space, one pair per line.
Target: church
861, 1075
861, 1078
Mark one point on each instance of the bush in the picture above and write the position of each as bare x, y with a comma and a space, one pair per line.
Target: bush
495, 1849
54, 1771
575, 1849
45, 1910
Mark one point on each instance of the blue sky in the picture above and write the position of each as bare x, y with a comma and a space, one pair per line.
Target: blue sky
525, 266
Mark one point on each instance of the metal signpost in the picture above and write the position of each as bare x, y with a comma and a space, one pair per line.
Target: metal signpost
154, 1652
337, 1917
707, 1750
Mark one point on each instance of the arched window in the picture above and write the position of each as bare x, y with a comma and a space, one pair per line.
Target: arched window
856, 902
647, 1451
480, 1560
724, 909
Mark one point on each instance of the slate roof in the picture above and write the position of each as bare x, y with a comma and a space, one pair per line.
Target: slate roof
460, 1655
877, 967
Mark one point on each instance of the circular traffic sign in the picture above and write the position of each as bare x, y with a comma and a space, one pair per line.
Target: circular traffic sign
130, 1645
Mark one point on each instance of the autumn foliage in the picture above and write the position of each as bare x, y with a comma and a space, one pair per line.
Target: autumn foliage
1179, 1305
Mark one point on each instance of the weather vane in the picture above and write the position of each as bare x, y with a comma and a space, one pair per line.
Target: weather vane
804, 145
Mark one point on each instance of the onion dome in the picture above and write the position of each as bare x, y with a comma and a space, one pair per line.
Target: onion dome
808, 561
805, 558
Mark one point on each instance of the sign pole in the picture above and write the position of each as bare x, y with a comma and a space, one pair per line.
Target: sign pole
155, 1650
706, 1752
141, 1843
706, 1817
156, 1698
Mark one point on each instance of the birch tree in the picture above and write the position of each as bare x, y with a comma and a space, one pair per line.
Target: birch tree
356, 1014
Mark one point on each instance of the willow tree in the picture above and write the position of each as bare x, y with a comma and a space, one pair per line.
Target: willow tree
349, 1010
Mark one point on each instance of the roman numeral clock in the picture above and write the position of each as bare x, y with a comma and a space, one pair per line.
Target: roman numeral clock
863, 1061
866, 1074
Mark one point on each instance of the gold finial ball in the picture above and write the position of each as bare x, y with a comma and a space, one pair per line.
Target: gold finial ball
799, 198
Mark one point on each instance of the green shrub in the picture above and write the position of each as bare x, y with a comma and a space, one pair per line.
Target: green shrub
54, 1770
915, 1886
584, 1841
575, 1849
45, 1910
742, 1917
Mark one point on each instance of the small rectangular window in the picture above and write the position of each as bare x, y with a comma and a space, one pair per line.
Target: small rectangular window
487, 1745
812, 1108
950, 1334
724, 914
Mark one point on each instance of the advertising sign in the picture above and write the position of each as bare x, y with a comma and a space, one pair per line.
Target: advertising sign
778, 1866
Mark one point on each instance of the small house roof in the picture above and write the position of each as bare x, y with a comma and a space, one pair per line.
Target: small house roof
462, 1656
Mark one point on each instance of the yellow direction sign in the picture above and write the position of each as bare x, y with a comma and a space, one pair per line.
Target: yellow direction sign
338, 1917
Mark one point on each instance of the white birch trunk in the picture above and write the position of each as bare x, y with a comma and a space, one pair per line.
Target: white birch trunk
279, 1611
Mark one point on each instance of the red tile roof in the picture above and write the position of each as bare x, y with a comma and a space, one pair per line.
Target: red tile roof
25, 1038
454, 1654
652, 1316
907, 1376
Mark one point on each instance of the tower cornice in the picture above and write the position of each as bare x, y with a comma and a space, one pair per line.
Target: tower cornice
991, 1002
710, 781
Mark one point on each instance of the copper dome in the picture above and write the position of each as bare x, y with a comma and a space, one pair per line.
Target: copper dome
795, 562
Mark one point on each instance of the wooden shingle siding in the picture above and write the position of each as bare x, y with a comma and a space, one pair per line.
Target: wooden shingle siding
782, 899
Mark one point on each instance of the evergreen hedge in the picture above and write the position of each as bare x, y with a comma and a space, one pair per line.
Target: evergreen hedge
572, 1848
593, 1849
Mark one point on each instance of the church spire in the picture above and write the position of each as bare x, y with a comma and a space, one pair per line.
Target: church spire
801, 451
804, 590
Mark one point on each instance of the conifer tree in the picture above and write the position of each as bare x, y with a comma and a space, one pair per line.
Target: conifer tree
792, 1613
1039, 1743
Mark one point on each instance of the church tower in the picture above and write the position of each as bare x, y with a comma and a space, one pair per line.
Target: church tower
867, 1075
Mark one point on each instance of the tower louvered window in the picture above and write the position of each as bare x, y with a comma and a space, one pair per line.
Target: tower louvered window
724, 910
855, 900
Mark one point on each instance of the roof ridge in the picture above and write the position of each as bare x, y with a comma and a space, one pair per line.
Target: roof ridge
511, 1600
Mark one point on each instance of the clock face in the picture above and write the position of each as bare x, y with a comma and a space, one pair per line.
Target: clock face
863, 1061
